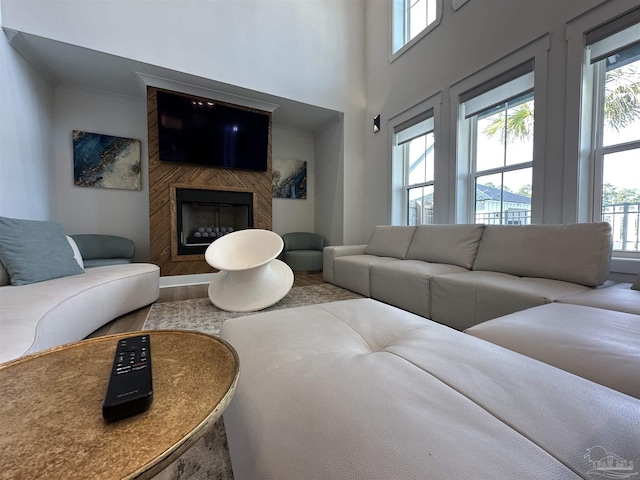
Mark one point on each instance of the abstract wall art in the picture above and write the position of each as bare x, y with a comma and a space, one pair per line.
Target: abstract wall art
289, 178
105, 161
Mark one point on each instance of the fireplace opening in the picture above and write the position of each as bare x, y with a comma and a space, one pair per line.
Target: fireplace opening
203, 216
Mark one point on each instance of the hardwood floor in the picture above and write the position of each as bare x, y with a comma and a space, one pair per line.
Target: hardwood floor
135, 320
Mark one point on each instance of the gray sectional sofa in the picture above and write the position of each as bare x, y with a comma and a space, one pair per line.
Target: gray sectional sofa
461, 275
540, 290
542, 383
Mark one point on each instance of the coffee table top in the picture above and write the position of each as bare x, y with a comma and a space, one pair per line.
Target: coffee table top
51, 423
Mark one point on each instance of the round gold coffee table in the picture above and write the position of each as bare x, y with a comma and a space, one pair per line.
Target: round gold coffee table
51, 423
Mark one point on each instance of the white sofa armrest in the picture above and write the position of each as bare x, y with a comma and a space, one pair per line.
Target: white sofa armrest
330, 253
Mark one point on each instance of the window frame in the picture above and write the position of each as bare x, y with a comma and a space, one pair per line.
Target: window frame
462, 196
407, 187
398, 201
597, 74
582, 187
395, 21
474, 173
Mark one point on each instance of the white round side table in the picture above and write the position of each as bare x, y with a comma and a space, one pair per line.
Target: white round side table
250, 277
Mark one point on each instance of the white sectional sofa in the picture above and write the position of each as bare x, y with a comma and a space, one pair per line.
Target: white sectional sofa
544, 382
461, 275
362, 390
65, 309
540, 290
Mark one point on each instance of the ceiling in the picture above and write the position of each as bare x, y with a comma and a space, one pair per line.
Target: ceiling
62, 63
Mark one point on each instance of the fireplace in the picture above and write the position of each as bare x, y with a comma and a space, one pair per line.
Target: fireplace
203, 216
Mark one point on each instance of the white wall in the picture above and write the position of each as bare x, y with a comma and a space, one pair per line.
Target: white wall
126, 212
294, 215
26, 151
308, 51
100, 210
329, 207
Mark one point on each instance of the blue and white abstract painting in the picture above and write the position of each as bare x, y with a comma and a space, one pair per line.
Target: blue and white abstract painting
105, 161
289, 178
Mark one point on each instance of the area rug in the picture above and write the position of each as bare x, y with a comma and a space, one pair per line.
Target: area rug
209, 458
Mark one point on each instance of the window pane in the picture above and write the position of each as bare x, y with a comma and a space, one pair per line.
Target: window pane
490, 139
621, 91
417, 17
488, 199
520, 132
420, 208
504, 198
621, 198
505, 134
420, 160
517, 196
410, 18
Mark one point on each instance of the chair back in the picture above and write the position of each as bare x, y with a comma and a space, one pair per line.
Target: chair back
302, 241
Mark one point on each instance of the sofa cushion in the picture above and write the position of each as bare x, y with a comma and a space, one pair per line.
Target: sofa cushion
451, 244
97, 249
599, 345
390, 241
34, 250
329, 254
361, 390
619, 297
577, 253
353, 272
62, 310
405, 284
461, 300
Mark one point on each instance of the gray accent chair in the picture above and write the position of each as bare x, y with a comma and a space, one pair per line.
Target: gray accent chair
303, 251
98, 250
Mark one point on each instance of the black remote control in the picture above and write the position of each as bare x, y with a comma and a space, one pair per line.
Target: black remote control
130, 389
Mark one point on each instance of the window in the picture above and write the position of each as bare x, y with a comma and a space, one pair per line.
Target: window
412, 19
499, 123
414, 150
613, 76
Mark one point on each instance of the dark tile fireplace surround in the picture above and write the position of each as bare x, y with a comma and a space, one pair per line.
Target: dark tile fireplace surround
203, 216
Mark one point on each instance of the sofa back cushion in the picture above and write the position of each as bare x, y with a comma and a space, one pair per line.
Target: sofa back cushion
390, 241
450, 244
302, 241
577, 253
99, 246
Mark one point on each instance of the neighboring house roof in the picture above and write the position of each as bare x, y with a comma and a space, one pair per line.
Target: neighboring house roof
485, 192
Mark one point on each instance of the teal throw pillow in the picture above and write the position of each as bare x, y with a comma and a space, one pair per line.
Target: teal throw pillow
33, 251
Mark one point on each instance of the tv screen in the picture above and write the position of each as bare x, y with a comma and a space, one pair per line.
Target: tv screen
205, 132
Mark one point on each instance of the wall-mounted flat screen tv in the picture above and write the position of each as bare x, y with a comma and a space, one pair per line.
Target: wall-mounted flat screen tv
206, 132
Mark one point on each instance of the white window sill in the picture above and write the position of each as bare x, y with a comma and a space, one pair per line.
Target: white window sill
625, 265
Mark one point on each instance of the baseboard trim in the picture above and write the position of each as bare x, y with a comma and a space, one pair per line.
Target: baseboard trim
184, 280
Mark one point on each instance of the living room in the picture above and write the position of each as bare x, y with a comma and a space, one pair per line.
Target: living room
326, 69
339, 74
